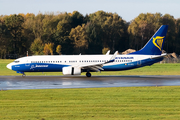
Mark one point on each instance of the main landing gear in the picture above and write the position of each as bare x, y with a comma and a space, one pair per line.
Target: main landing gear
88, 74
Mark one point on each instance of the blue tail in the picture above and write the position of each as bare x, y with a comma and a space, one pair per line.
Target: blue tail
155, 44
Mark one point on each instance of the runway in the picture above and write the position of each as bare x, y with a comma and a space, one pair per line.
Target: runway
56, 82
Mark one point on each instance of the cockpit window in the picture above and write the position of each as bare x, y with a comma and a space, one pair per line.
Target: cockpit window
16, 61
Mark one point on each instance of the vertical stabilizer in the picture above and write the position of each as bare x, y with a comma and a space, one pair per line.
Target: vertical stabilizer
155, 44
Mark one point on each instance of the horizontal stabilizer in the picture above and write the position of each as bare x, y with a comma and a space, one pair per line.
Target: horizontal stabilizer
161, 56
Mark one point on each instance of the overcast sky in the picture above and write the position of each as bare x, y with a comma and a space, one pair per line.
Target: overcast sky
127, 9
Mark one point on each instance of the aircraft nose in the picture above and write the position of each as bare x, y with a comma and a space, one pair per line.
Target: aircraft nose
9, 66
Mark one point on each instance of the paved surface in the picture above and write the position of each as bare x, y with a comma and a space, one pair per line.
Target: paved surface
49, 82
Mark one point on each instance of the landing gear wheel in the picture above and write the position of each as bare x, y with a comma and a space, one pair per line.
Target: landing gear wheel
88, 74
23, 75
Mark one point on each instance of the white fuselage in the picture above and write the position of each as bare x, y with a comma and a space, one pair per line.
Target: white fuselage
51, 63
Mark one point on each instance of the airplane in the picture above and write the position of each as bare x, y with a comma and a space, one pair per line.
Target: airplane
76, 64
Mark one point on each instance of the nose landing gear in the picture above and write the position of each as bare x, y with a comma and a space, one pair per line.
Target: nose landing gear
23, 75
88, 74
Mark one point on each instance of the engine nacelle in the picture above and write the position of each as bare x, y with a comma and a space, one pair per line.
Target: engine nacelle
71, 71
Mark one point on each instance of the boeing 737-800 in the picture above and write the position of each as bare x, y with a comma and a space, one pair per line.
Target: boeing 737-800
76, 64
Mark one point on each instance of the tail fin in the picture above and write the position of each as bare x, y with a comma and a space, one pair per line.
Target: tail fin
155, 44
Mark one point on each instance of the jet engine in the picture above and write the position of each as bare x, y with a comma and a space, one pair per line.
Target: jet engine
71, 71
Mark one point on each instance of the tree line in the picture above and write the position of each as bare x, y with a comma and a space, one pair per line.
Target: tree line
73, 33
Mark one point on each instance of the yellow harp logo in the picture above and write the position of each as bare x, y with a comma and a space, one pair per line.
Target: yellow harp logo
158, 41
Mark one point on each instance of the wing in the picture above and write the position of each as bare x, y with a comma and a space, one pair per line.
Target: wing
98, 67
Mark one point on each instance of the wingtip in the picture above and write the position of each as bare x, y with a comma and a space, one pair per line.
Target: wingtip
108, 52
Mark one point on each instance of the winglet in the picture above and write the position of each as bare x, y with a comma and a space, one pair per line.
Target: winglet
108, 52
113, 57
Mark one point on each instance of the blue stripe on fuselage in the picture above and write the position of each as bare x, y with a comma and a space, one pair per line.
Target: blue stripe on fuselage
38, 67
131, 65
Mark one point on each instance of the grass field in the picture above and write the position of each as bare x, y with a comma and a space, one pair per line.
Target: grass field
138, 103
125, 103
156, 69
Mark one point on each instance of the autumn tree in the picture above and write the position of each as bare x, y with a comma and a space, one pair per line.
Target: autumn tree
14, 25
142, 28
114, 30
79, 38
48, 48
93, 36
51, 46
37, 47
27, 32
62, 33
104, 50
4, 39
171, 41
89, 34
177, 28
58, 49
37, 25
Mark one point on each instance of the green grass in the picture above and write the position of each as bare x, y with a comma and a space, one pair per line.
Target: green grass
156, 69
126, 103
